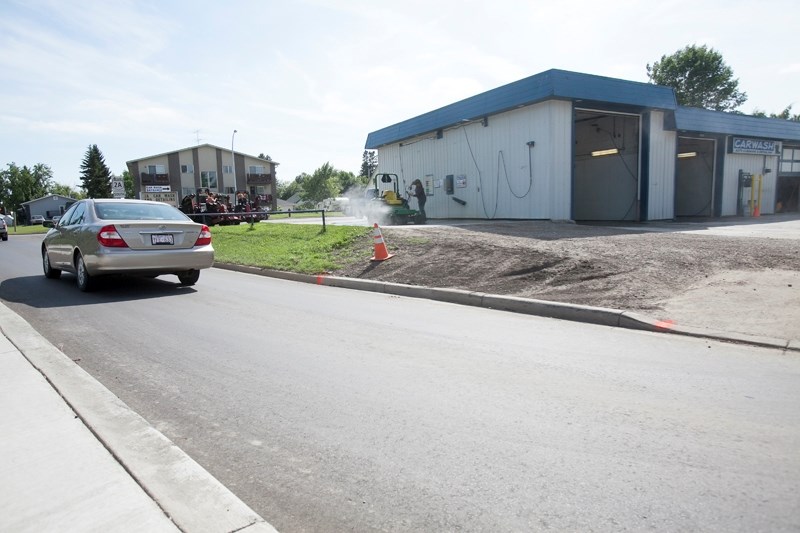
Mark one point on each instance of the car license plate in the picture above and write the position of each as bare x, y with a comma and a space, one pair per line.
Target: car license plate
162, 240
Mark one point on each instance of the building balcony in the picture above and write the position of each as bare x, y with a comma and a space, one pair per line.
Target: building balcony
154, 179
259, 179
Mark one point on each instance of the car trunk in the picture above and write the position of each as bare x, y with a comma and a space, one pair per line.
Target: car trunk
159, 235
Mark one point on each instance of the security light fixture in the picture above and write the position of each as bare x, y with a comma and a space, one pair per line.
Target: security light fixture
684, 155
610, 151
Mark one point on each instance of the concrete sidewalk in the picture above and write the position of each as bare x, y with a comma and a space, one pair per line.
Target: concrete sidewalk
73, 457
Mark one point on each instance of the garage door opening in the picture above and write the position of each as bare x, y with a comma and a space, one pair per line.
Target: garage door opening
694, 180
606, 184
787, 194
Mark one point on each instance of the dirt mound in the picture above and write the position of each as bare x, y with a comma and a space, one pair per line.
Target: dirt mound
604, 266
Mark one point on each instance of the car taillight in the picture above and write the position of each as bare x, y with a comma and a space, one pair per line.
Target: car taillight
205, 236
109, 237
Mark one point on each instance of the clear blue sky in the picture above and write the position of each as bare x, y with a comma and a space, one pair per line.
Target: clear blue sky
306, 81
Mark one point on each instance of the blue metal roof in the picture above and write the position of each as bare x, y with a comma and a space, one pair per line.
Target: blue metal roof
704, 121
551, 84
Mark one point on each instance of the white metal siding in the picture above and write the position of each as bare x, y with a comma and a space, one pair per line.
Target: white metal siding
661, 192
496, 160
754, 164
557, 168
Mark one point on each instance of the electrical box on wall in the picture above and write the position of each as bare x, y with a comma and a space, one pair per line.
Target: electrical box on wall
429, 181
449, 184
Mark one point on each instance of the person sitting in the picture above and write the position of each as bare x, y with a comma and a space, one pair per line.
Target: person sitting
211, 202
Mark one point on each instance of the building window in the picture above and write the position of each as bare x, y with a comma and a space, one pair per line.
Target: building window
156, 169
187, 169
208, 179
227, 169
186, 191
790, 162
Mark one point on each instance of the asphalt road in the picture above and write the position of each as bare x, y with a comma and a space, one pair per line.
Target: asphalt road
333, 410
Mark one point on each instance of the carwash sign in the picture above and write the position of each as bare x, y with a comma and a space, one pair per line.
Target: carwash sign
742, 145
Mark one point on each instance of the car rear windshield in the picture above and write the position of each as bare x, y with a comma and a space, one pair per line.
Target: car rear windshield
137, 211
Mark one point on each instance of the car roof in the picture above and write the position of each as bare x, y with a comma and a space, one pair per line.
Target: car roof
123, 200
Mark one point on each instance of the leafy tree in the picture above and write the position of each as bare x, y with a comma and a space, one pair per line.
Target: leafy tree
369, 164
22, 184
347, 180
786, 114
700, 78
288, 189
264, 157
130, 188
65, 190
323, 183
95, 175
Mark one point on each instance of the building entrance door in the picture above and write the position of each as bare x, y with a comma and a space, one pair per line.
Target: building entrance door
694, 180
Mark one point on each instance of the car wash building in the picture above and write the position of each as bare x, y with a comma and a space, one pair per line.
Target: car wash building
570, 146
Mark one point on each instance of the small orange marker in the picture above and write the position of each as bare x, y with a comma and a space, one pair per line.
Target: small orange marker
381, 252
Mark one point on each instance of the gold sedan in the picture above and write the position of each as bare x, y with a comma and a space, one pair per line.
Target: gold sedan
98, 237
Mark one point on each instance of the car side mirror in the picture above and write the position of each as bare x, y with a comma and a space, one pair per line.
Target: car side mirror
48, 224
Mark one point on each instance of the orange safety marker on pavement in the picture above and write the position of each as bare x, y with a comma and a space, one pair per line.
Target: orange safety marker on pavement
381, 252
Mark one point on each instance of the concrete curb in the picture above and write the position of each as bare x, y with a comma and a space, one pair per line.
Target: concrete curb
577, 313
191, 497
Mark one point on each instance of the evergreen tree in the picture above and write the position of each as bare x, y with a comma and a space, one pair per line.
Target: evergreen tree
95, 175
369, 163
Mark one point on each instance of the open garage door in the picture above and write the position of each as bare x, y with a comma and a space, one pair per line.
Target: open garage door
787, 195
606, 183
694, 180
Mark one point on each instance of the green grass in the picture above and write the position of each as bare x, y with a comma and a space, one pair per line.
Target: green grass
300, 248
27, 230
285, 214
296, 248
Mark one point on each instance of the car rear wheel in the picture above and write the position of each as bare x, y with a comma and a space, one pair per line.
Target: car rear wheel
189, 277
85, 281
49, 271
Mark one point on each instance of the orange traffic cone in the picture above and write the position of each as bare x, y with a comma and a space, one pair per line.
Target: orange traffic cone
757, 211
381, 253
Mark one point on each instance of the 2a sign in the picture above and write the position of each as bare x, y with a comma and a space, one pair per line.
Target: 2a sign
117, 187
